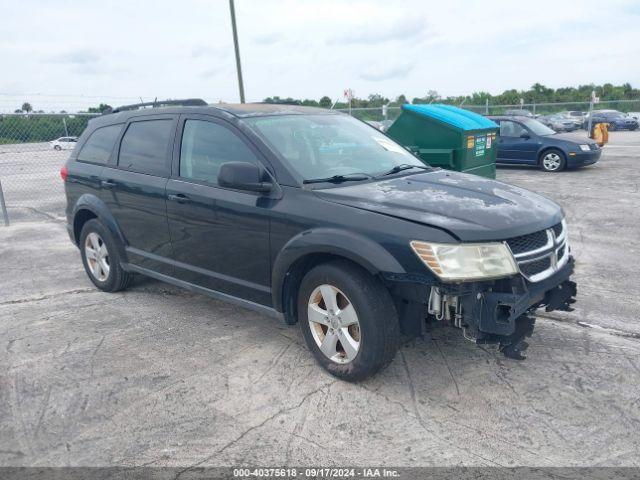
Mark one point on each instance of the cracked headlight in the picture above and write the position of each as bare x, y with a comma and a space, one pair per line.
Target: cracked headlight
464, 262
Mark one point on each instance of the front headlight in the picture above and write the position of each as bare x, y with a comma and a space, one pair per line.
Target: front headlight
585, 148
463, 262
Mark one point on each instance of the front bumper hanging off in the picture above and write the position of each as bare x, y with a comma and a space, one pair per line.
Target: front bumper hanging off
503, 313
496, 312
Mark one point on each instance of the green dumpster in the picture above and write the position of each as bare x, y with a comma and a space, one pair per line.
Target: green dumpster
448, 137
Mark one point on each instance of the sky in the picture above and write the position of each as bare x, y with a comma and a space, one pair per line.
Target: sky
62, 54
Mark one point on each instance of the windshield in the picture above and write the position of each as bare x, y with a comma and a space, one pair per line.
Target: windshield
319, 146
537, 127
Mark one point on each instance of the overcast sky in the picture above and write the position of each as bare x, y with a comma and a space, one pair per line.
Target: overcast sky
75, 53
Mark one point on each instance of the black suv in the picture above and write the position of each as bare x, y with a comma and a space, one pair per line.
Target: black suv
316, 218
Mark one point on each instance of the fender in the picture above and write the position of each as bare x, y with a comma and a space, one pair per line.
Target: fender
92, 203
363, 251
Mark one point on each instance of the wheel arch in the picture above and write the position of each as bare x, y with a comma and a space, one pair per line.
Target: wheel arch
311, 248
89, 207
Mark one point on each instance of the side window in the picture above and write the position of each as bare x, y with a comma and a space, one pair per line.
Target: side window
206, 146
510, 129
98, 147
144, 147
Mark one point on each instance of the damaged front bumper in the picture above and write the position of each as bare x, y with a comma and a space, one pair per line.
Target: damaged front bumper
498, 312
502, 314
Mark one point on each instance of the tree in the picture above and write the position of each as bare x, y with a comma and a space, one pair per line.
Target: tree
431, 97
377, 100
103, 107
26, 107
325, 102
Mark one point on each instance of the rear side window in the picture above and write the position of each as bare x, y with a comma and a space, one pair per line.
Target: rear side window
99, 145
206, 146
144, 147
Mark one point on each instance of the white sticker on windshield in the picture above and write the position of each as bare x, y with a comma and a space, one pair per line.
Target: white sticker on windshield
390, 146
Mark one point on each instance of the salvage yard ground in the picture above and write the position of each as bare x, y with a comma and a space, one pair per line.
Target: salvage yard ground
159, 376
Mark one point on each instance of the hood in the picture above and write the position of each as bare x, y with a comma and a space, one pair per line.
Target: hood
470, 207
571, 138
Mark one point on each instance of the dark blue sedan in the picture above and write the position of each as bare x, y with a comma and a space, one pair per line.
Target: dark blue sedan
525, 141
616, 120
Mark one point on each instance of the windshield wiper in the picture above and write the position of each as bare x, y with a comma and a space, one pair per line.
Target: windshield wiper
401, 167
340, 178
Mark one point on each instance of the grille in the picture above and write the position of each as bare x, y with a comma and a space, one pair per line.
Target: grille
557, 229
538, 266
526, 243
561, 251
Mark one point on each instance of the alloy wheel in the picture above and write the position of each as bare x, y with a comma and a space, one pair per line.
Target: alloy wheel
551, 162
334, 324
97, 255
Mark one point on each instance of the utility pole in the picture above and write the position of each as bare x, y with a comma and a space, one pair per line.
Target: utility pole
235, 43
590, 122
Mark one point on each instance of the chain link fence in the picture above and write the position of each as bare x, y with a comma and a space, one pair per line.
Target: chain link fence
385, 116
33, 148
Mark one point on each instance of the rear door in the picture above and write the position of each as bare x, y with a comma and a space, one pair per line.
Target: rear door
134, 190
512, 147
220, 236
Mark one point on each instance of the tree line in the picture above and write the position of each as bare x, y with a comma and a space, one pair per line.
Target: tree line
538, 93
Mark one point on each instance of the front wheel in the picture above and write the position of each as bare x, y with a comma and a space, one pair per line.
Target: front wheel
348, 320
552, 160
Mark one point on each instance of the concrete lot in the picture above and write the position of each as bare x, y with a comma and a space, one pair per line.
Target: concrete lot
30, 176
159, 376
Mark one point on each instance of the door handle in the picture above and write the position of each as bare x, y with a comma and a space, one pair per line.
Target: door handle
107, 184
178, 197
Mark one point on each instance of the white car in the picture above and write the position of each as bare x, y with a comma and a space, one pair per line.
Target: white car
64, 143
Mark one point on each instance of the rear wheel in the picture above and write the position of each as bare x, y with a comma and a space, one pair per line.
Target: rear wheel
348, 320
612, 127
101, 259
552, 160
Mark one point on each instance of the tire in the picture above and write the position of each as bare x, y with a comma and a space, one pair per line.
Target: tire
103, 268
612, 127
374, 338
57, 147
552, 160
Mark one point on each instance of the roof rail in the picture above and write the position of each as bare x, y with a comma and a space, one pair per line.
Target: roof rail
188, 102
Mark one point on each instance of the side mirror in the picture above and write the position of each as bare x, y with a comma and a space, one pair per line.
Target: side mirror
243, 176
525, 135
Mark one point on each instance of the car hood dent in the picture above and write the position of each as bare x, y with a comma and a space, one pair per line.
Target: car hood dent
470, 207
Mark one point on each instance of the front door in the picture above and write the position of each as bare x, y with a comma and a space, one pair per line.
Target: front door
516, 144
220, 236
134, 190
